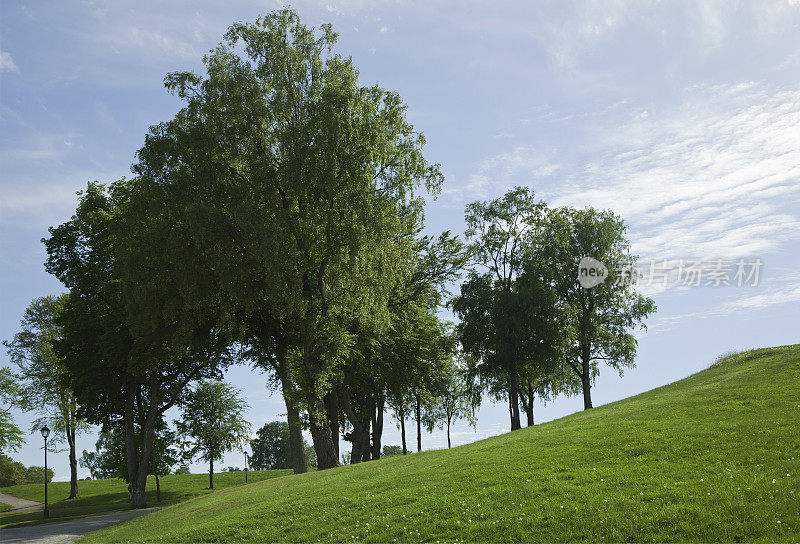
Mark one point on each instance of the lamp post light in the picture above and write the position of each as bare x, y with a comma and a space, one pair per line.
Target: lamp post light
45, 433
245, 465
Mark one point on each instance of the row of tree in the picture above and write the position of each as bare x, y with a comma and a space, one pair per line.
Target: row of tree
278, 220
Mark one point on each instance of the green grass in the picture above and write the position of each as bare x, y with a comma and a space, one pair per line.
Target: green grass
714, 457
4, 507
98, 496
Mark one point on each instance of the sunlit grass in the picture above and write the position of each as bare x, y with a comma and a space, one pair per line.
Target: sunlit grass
97, 496
714, 457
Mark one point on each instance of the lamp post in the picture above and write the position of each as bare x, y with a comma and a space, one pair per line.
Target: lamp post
245, 465
45, 433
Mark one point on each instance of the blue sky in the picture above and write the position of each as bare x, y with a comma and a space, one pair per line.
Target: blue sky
683, 117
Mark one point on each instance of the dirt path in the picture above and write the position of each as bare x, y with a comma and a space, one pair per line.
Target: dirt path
21, 505
65, 532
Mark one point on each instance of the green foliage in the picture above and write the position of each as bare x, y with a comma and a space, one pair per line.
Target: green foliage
213, 421
709, 458
111, 495
270, 449
109, 460
311, 455
15, 473
11, 436
600, 320
392, 450
511, 325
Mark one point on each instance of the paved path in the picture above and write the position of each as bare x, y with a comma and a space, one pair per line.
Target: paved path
65, 532
21, 505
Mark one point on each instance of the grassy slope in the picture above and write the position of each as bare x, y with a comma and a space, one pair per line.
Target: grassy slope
714, 457
97, 496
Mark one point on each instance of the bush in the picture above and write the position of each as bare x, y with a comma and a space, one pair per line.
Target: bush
392, 450
15, 473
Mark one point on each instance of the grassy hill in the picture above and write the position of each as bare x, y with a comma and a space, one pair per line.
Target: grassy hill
97, 496
714, 457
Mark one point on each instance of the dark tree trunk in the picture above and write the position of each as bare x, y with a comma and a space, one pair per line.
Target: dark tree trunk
448, 433
158, 489
531, 394
332, 408
73, 465
513, 396
403, 432
317, 415
211, 474
377, 427
138, 459
586, 380
418, 409
321, 434
296, 448
587, 390
131, 453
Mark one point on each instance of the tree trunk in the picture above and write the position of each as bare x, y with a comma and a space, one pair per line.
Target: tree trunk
211, 474
321, 433
131, 454
419, 423
448, 434
377, 427
529, 407
296, 448
403, 432
513, 396
587, 392
158, 489
586, 381
332, 409
73, 465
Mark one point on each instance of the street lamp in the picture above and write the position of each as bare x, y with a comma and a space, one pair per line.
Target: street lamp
245, 465
45, 433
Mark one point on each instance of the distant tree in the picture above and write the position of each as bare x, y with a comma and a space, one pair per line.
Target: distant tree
599, 319
109, 459
454, 401
182, 469
99, 462
497, 231
11, 437
311, 455
42, 377
392, 450
15, 473
213, 422
270, 449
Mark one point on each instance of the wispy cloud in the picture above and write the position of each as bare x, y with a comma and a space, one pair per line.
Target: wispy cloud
7, 62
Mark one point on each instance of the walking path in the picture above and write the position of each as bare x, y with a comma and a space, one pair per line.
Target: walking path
64, 532
20, 505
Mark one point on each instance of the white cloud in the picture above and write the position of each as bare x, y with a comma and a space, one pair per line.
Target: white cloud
708, 179
7, 62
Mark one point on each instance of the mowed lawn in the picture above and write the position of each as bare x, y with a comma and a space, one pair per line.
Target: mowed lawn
96, 496
714, 457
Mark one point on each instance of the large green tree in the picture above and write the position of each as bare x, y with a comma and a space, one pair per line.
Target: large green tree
270, 449
42, 380
128, 354
509, 327
601, 318
213, 422
288, 182
11, 436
